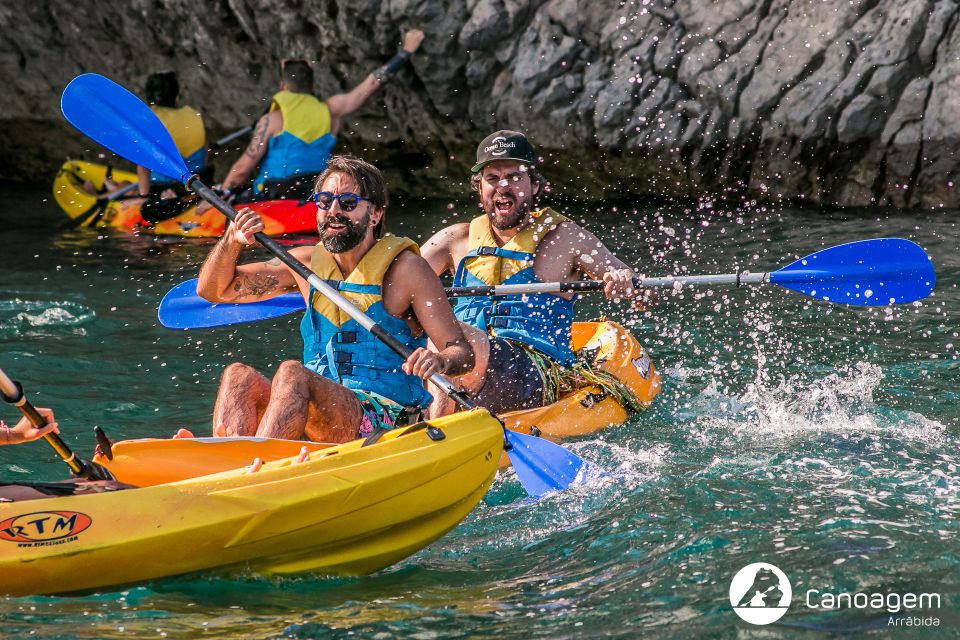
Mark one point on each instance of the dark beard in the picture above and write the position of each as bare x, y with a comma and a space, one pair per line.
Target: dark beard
348, 239
520, 211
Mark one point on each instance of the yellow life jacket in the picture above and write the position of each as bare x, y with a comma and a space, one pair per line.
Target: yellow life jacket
304, 144
304, 116
493, 268
542, 321
368, 275
185, 126
338, 347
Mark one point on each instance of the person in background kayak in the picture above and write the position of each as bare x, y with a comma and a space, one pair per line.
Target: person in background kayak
349, 383
24, 431
165, 196
292, 142
519, 341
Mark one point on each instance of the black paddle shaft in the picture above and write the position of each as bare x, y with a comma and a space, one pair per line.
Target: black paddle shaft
304, 272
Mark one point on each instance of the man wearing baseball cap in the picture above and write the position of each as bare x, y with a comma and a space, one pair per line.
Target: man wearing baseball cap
519, 341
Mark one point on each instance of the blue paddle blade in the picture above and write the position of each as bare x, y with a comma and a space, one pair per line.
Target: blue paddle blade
869, 273
542, 466
182, 308
112, 116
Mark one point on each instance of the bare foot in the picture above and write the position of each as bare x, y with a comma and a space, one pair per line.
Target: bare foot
183, 433
253, 468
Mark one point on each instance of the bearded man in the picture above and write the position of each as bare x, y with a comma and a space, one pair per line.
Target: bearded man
520, 341
349, 384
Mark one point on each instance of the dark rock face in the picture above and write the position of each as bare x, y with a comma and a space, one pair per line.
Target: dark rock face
844, 103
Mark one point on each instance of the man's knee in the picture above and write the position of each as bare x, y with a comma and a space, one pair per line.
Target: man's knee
292, 372
237, 372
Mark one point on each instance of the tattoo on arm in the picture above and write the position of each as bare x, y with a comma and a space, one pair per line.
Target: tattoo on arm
258, 139
256, 285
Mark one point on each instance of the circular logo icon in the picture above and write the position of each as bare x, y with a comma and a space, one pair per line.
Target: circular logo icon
760, 593
499, 146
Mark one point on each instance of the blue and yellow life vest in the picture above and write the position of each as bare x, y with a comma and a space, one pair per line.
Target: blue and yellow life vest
304, 144
338, 347
540, 320
186, 128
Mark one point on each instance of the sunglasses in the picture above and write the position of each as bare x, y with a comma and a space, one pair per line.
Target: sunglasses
348, 201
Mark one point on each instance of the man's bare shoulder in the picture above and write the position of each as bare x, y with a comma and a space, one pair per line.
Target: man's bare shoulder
450, 235
303, 253
409, 272
570, 234
410, 263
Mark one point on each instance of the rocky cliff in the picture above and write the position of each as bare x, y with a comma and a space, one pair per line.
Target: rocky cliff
829, 102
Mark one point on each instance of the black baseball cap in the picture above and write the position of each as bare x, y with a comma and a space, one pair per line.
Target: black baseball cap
504, 145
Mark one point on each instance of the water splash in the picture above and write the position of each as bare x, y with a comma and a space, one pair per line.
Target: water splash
841, 402
30, 318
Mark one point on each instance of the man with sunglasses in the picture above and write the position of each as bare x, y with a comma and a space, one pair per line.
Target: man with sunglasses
349, 383
520, 341
292, 142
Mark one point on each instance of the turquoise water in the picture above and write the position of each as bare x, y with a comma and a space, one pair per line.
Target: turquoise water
820, 438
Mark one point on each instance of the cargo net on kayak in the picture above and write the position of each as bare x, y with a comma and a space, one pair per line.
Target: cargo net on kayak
559, 381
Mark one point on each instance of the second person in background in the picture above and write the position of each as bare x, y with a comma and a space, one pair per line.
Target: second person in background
292, 143
166, 196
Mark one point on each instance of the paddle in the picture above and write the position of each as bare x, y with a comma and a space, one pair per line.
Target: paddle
116, 195
230, 137
182, 308
865, 273
12, 392
115, 118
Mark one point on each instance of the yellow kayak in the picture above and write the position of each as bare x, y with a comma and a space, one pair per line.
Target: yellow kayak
348, 510
89, 210
607, 345
85, 208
